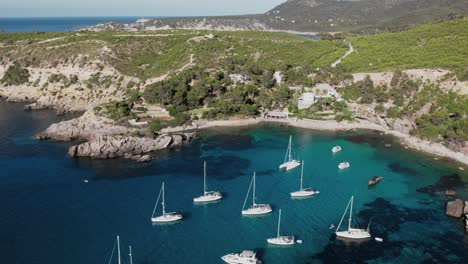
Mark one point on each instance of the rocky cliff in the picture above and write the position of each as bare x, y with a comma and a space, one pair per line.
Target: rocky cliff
129, 147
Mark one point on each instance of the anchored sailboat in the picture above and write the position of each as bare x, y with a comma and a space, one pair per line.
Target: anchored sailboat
289, 162
165, 217
307, 192
208, 196
119, 260
255, 209
352, 233
281, 240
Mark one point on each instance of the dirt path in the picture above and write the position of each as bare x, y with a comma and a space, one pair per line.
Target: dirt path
351, 50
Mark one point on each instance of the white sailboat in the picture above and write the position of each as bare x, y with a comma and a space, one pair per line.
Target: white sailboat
117, 242
289, 162
165, 217
130, 256
245, 257
208, 196
307, 192
281, 240
255, 209
351, 233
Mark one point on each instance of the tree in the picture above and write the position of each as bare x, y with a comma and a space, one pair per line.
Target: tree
268, 80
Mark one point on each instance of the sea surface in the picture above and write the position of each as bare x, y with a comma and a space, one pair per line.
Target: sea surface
55, 209
56, 24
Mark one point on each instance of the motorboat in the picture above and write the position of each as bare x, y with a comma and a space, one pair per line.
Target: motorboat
336, 149
344, 165
374, 180
245, 257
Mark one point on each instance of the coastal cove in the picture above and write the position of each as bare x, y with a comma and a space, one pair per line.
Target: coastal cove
51, 215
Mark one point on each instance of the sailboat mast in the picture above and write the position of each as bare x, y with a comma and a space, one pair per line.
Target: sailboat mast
302, 175
130, 254
204, 178
350, 213
290, 148
279, 224
253, 193
118, 249
163, 202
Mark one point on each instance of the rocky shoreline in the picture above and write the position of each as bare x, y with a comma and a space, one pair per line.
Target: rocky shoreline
105, 139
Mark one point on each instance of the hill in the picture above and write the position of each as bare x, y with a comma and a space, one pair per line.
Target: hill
359, 16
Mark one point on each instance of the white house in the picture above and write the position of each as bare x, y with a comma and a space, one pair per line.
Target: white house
306, 100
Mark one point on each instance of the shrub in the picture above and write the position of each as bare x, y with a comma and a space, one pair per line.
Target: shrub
15, 75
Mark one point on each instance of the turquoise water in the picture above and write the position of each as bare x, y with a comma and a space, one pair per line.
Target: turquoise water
50, 215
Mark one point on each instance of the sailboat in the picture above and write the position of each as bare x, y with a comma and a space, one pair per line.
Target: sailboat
130, 256
255, 209
281, 240
352, 233
307, 192
119, 260
208, 196
289, 162
165, 217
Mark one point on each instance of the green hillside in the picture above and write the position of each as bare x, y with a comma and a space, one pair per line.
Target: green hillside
429, 46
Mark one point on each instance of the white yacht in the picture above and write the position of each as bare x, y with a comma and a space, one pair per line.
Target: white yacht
351, 233
281, 240
165, 217
255, 209
245, 257
208, 196
307, 192
344, 165
289, 162
336, 149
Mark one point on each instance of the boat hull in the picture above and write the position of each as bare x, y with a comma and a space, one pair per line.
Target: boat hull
353, 234
167, 218
282, 241
290, 165
257, 210
207, 199
343, 166
303, 194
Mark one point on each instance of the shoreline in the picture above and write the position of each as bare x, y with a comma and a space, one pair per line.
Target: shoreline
406, 140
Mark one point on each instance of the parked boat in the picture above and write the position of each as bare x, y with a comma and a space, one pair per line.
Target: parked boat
466, 222
245, 257
165, 217
281, 240
307, 192
344, 165
374, 180
208, 196
255, 209
336, 149
119, 260
352, 233
289, 162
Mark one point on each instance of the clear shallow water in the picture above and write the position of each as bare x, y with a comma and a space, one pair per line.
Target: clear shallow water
56, 24
49, 215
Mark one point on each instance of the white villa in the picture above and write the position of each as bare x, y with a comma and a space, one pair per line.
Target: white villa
312, 95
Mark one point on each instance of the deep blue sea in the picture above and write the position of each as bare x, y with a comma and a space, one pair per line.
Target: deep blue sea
56, 24
49, 214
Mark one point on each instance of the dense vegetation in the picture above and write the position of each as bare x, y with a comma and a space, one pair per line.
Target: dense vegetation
441, 45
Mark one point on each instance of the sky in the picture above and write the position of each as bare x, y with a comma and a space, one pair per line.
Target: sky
64, 8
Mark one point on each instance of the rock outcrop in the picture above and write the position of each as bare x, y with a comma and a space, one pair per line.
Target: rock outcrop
455, 208
86, 127
129, 147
